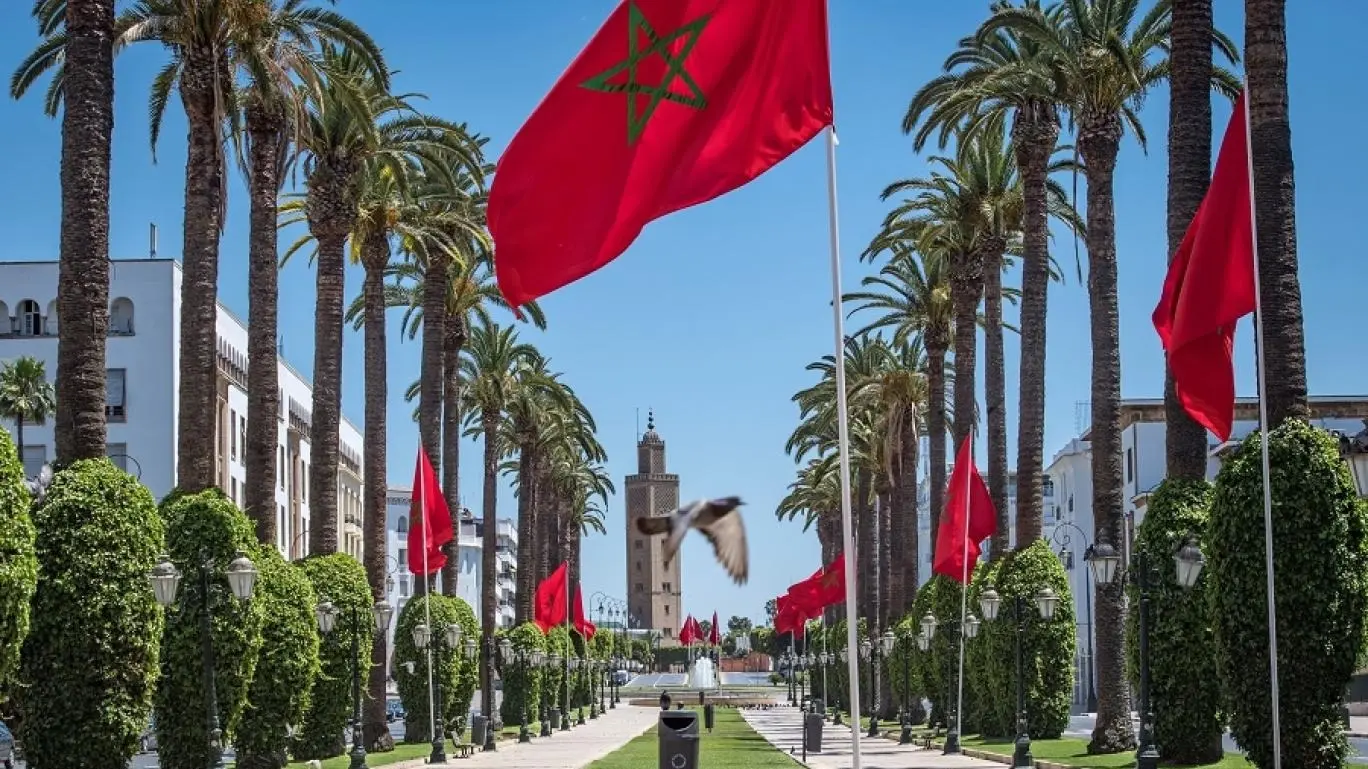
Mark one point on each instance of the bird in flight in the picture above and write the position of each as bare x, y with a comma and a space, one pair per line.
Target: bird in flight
716, 519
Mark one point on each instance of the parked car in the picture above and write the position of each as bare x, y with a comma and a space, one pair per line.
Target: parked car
147, 741
7, 757
394, 711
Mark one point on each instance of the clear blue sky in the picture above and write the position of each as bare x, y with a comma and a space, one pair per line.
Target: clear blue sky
712, 315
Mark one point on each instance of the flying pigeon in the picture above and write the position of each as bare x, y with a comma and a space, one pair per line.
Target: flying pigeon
717, 519
37, 487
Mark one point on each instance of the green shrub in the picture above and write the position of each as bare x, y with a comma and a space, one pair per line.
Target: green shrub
938, 667
340, 579
90, 659
454, 674
521, 679
1321, 549
200, 527
1185, 691
1048, 648
18, 562
903, 671
553, 685
278, 696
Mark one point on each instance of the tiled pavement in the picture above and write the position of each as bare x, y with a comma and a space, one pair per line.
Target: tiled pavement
782, 726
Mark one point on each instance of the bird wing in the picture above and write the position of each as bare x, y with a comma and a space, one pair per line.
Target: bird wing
727, 534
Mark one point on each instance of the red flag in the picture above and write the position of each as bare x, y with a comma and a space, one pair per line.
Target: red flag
671, 104
785, 618
429, 520
686, 630
695, 633
552, 595
584, 627
825, 587
714, 635
956, 553
1210, 286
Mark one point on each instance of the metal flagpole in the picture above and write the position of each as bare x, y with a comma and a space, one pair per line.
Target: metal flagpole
427, 597
843, 442
570, 645
1263, 447
964, 595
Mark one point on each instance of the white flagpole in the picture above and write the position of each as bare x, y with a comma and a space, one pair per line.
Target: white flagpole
1263, 448
843, 443
433, 635
964, 591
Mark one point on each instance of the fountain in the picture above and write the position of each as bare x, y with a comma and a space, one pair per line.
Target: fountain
704, 675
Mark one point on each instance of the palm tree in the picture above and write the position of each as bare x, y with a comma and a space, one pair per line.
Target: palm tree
78, 36
1270, 140
25, 395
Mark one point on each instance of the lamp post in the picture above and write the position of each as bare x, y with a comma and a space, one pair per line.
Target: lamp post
165, 579
1106, 566
803, 667
492, 647
1045, 603
582, 672
422, 637
553, 662
1062, 538
824, 660
905, 710
326, 614
790, 665
844, 654
528, 661
960, 630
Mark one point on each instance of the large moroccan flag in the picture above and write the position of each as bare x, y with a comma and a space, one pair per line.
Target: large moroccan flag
969, 519
552, 599
825, 587
671, 104
429, 520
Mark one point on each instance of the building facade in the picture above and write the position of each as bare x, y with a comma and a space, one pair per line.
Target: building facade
655, 586
1069, 521
143, 381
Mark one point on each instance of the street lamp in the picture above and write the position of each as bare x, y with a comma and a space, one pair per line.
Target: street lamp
595, 687
165, 579
1062, 538
1106, 564
553, 662
423, 639
905, 713
1045, 603
844, 654
527, 660
968, 628
582, 672
326, 614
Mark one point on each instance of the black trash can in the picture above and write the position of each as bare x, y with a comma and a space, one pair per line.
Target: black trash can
479, 726
677, 735
708, 717
812, 731
817, 705
555, 718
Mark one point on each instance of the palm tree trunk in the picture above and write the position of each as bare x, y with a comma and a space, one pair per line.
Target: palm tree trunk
489, 580
1034, 134
527, 526
432, 374
376, 256
830, 521
1189, 172
995, 396
195, 461
1284, 356
935, 430
263, 300
19, 437
1098, 146
454, 340
909, 516
83, 270
896, 549
324, 429
866, 547
890, 564
966, 289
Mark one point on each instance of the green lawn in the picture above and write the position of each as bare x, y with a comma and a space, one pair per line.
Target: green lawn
1074, 752
732, 745
402, 752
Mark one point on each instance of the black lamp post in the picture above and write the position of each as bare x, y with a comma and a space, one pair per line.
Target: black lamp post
552, 662
582, 672
873, 653
422, 638
789, 662
959, 632
491, 651
1106, 564
1046, 602
1062, 538
165, 579
326, 614
905, 707
844, 654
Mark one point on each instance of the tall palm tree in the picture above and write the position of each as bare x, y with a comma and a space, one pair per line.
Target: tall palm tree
78, 36
1270, 140
26, 397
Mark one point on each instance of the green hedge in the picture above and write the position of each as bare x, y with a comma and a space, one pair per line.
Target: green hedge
200, 526
18, 562
1321, 550
454, 673
553, 685
522, 680
340, 579
903, 671
1048, 648
1185, 691
286, 665
93, 611
940, 597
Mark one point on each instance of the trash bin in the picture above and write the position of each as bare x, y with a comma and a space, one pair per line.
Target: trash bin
817, 705
555, 718
812, 731
708, 716
677, 735
479, 725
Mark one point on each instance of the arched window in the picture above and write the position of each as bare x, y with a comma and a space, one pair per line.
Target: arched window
30, 318
402, 528
6, 324
121, 317
50, 322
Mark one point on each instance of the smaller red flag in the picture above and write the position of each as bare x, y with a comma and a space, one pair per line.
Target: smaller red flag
552, 595
1211, 285
714, 635
583, 626
956, 553
686, 631
825, 587
429, 520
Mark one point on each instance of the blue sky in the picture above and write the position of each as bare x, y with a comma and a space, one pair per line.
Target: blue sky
712, 315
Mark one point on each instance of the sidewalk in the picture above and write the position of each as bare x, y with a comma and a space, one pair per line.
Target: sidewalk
782, 727
574, 749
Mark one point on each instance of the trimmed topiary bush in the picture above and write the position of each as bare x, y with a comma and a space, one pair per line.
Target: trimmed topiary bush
200, 527
18, 562
454, 672
522, 680
553, 681
340, 579
1320, 543
287, 663
939, 666
1185, 691
903, 671
89, 663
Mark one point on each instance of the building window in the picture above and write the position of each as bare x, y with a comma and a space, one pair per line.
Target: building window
665, 587
115, 406
242, 435
30, 318
667, 610
402, 528
232, 485
637, 544
118, 454
403, 558
232, 435
639, 587
280, 468
35, 456
638, 565
669, 632
1130, 465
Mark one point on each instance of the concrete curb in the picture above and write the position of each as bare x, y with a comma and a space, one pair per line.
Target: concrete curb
999, 758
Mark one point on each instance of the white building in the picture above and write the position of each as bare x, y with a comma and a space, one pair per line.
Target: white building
143, 355
398, 502
1069, 521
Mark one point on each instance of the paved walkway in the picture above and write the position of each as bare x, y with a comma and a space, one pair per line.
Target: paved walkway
575, 749
783, 728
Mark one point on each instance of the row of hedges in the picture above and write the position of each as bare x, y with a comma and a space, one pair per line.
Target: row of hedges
18, 562
522, 681
342, 580
454, 675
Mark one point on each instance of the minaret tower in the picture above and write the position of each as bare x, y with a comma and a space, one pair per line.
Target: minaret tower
654, 587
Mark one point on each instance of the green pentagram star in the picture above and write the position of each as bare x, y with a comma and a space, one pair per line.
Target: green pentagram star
674, 63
